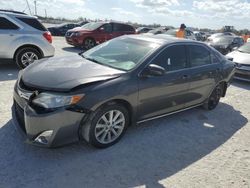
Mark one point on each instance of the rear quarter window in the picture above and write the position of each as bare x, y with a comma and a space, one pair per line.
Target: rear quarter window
32, 22
199, 55
7, 24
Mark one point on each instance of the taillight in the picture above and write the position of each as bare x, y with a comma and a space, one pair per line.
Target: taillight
48, 36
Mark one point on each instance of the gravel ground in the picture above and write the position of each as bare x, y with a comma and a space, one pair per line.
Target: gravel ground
195, 148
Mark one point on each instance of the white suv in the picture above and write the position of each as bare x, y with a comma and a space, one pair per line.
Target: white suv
23, 38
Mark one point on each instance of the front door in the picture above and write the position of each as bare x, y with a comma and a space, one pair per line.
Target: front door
163, 94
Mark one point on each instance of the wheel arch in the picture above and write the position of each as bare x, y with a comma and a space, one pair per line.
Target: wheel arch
28, 46
124, 103
224, 87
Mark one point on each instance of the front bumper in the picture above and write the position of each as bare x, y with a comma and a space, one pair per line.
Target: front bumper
242, 73
62, 123
72, 41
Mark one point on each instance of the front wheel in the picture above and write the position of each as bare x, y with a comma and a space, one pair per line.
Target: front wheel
214, 98
89, 43
26, 56
107, 126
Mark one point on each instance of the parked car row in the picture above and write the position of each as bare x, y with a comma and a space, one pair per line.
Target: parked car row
94, 33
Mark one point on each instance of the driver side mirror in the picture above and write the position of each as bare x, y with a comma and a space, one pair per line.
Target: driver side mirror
153, 70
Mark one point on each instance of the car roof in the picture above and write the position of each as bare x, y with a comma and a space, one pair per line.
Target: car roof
15, 13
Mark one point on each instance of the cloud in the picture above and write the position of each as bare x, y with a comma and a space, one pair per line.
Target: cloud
124, 12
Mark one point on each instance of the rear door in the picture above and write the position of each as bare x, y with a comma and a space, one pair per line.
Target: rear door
162, 94
8, 33
122, 29
203, 73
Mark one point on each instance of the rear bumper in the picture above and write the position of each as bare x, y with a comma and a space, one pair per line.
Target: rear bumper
58, 128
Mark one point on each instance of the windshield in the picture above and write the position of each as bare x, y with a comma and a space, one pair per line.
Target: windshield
120, 53
245, 48
92, 26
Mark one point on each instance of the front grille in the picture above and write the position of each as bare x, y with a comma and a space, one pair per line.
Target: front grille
20, 116
244, 76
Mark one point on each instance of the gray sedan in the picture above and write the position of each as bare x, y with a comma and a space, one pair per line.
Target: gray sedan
95, 96
241, 57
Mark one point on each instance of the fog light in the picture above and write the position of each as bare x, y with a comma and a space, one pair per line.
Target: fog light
44, 137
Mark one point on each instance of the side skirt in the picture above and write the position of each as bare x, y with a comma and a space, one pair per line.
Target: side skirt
167, 114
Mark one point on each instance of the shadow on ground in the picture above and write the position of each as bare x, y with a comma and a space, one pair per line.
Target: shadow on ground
148, 153
72, 49
9, 71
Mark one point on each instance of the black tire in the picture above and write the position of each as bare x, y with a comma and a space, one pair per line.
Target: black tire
214, 98
88, 43
21, 52
88, 129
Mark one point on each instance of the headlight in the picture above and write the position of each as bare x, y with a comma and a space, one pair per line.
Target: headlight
49, 100
76, 34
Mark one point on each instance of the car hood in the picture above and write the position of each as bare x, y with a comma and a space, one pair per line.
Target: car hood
239, 57
65, 73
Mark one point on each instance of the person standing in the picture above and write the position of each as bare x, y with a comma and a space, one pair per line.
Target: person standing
181, 32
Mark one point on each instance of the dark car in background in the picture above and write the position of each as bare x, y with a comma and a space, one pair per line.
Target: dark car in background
96, 95
140, 30
241, 57
226, 44
158, 30
94, 33
60, 30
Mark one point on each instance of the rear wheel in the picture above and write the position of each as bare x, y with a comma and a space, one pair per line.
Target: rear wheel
26, 56
214, 98
107, 126
89, 43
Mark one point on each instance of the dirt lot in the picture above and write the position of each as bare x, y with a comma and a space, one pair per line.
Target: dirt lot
195, 148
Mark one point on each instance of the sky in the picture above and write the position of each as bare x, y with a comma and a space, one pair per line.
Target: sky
212, 14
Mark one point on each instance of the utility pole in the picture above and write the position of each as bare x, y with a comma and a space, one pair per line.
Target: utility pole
35, 8
28, 6
45, 13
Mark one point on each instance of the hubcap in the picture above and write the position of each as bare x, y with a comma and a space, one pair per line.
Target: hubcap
28, 58
89, 44
110, 126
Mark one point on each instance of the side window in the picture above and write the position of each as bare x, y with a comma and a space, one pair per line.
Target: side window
117, 27
127, 28
32, 22
199, 55
107, 28
172, 58
6, 24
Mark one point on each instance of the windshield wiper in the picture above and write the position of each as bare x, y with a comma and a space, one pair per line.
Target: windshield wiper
90, 59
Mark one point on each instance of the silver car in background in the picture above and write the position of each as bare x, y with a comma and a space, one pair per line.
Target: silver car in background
241, 57
23, 38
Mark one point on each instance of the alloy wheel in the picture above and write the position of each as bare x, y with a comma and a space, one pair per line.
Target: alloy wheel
28, 58
89, 43
110, 126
